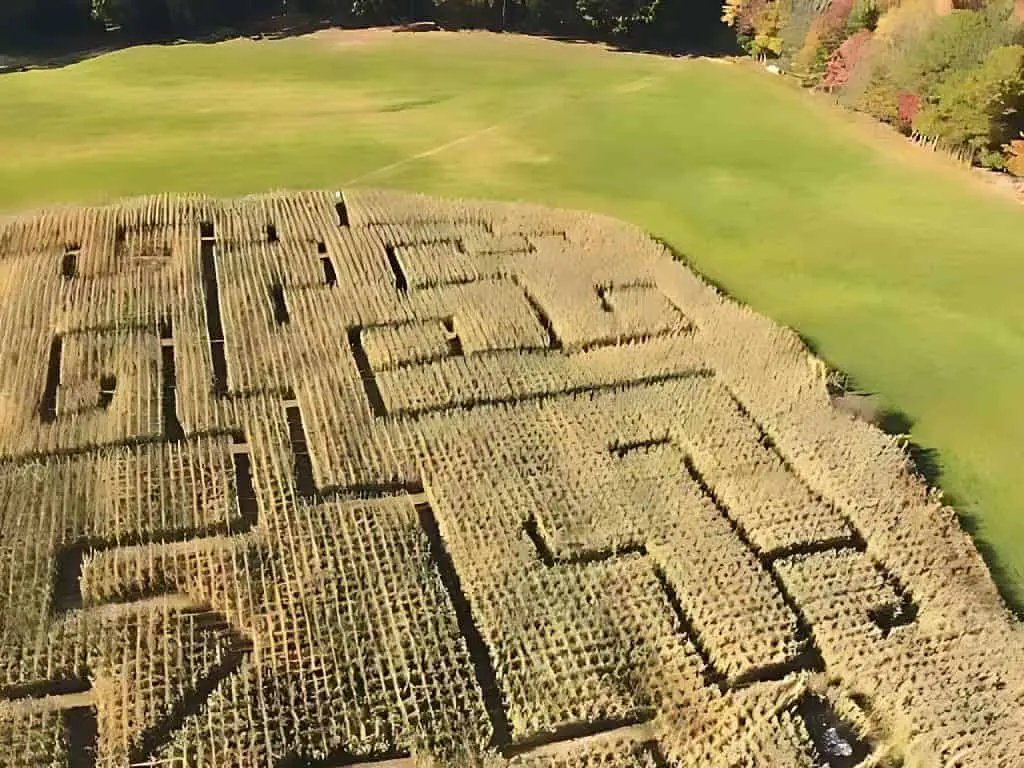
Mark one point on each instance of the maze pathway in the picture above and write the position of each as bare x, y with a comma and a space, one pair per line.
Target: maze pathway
338, 479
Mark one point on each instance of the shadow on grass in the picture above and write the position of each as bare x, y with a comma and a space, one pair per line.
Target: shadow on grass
678, 51
685, 28
56, 54
1000, 573
701, 34
709, 40
719, 43
926, 461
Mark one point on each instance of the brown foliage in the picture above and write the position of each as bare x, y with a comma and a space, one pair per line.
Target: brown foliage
1015, 157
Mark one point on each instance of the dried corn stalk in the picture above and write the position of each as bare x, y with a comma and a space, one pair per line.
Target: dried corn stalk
322, 478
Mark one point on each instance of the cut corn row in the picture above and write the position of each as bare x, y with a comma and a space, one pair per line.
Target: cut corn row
460, 382
144, 665
864, 472
31, 739
945, 711
772, 505
837, 591
486, 316
396, 345
585, 499
588, 753
752, 726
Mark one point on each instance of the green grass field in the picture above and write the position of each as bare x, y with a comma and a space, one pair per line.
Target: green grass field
902, 270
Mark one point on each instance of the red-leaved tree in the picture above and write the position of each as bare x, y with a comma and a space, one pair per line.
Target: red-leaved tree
844, 59
907, 105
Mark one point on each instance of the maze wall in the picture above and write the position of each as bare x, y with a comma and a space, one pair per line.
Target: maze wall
331, 480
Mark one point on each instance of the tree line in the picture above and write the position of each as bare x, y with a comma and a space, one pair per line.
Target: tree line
654, 23
949, 73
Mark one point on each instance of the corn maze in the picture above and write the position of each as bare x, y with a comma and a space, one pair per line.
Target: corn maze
327, 480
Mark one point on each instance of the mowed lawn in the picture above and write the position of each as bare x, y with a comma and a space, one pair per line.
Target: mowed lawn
902, 270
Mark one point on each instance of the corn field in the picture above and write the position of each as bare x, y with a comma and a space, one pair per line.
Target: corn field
331, 479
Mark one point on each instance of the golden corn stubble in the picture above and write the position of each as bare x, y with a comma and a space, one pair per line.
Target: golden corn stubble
325, 478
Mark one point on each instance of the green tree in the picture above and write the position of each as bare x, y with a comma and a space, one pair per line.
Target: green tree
550, 15
164, 17
981, 109
22, 21
472, 13
957, 42
865, 15
618, 18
